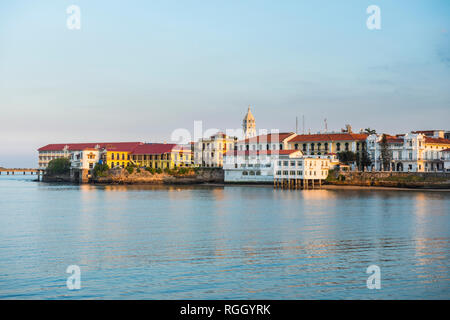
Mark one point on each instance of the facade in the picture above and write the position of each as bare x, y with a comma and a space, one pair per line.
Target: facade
446, 159
295, 168
268, 142
112, 153
210, 152
328, 143
85, 158
411, 152
119, 154
161, 155
254, 166
249, 125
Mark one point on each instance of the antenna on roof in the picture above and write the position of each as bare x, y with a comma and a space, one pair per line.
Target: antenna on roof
326, 125
303, 118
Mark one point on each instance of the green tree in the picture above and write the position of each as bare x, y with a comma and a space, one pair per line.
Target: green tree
363, 160
385, 153
58, 166
100, 169
370, 131
346, 157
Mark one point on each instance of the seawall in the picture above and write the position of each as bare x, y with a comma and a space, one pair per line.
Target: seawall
141, 176
432, 180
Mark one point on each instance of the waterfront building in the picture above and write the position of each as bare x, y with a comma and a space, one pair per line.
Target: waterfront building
411, 152
254, 166
161, 155
328, 143
249, 124
446, 159
119, 154
266, 142
210, 152
112, 153
85, 158
298, 171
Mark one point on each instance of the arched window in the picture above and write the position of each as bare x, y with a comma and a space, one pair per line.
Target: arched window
267, 147
346, 146
281, 146
296, 146
326, 146
304, 147
312, 146
338, 146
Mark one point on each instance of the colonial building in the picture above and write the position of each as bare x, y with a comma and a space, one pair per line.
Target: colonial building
300, 170
118, 154
210, 152
446, 159
249, 125
267, 142
161, 155
112, 153
411, 152
254, 166
86, 158
321, 144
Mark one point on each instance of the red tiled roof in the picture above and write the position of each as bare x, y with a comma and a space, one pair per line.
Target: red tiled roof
271, 137
437, 140
159, 148
394, 139
329, 137
262, 152
113, 146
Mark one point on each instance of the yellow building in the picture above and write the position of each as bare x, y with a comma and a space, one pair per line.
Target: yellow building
118, 154
161, 155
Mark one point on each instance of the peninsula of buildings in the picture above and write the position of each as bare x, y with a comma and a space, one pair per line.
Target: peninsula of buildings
285, 159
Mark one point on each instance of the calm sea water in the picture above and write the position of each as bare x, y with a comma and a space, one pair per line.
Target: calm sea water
232, 242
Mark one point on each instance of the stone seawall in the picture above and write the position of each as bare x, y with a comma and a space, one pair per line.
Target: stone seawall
432, 180
201, 175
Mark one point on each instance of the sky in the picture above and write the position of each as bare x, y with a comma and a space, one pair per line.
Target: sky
138, 70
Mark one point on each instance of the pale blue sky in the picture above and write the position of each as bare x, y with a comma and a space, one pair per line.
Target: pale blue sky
137, 70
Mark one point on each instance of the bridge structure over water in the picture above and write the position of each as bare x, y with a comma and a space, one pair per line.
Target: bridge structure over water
23, 171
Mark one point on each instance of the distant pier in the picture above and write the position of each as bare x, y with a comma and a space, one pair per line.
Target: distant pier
23, 171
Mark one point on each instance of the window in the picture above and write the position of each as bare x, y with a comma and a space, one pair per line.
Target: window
299, 163
296, 146
281, 146
346, 146
292, 173
279, 173
299, 173
244, 173
285, 173
112, 156
285, 163
338, 146
292, 163
312, 147
304, 147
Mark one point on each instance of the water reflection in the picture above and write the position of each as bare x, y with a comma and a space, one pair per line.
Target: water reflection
212, 242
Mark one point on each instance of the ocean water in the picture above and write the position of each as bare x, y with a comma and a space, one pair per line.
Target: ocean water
211, 242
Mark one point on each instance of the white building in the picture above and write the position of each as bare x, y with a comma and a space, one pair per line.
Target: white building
254, 166
85, 158
210, 152
446, 159
297, 168
411, 152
